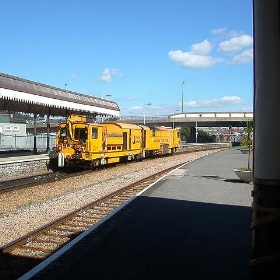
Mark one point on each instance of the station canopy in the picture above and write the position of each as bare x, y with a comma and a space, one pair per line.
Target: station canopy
25, 96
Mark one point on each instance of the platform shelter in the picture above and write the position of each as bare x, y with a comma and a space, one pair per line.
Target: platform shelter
29, 97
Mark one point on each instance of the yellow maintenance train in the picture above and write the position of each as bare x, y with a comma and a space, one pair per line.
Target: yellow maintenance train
80, 143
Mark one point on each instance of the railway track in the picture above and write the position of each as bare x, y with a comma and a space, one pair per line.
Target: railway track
10, 185
18, 183
24, 253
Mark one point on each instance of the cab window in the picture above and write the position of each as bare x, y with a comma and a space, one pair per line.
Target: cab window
80, 134
63, 133
94, 134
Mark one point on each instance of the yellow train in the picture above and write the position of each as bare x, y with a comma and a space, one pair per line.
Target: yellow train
80, 143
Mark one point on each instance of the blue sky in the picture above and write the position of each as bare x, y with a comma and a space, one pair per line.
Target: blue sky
135, 52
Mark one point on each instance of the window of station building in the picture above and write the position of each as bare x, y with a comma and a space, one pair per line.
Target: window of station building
94, 133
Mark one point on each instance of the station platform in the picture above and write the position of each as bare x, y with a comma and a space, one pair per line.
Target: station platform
20, 156
191, 224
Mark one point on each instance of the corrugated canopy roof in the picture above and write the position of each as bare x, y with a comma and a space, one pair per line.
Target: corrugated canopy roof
21, 95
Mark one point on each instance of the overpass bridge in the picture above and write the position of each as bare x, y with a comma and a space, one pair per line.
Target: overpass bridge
193, 120
196, 119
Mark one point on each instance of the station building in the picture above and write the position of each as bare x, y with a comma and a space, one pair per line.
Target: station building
12, 133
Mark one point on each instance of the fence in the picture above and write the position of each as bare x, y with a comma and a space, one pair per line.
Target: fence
15, 142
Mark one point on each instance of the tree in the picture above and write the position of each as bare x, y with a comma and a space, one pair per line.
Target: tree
247, 141
185, 133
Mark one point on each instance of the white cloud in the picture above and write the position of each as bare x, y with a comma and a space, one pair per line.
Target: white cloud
106, 76
218, 30
199, 56
127, 98
245, 57
73, 75
216, 102
197, 105
202, 48
236, 43
136, 108
116, 72
191, 60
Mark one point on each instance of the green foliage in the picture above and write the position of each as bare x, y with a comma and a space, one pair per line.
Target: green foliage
204, 136
185, 133
247, 141
245, 169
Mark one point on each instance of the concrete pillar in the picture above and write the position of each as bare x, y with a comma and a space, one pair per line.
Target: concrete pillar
266, 156
193, 134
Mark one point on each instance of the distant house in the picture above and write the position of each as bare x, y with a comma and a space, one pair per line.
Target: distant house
12, 132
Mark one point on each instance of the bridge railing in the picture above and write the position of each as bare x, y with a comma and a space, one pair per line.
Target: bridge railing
194, 115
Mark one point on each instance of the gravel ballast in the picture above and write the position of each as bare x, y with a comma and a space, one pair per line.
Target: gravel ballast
26, 209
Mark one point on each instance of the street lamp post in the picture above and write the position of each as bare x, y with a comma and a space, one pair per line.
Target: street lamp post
182, 83
145, 112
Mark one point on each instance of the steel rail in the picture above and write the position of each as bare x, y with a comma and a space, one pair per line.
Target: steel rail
21, 255
24, 253
19, 183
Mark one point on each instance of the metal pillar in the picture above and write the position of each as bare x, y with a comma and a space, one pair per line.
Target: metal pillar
182, 84
265, 225
35, 139
48, 133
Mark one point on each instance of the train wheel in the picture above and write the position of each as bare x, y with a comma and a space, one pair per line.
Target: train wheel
94, 164
138, 157
52, 165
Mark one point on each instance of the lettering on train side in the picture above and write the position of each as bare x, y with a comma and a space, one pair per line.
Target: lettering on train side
115, 135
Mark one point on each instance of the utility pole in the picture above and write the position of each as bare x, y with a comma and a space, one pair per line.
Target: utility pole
182, 83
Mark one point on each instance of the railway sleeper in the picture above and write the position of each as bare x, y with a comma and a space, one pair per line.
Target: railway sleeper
79, 223
50, 241
82, 218
104, 208
64, 232
115, 204
124, 197
94, 219
89, 217
94, 212
42, 247
58, 233
36, 249
71, 229
51, 235
19, 252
